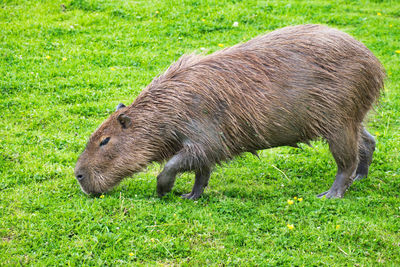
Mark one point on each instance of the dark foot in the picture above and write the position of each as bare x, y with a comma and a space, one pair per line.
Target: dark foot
201, 181
161, 193
191, 196
330, 194
362, 171
165, 182
360, 176
339, 187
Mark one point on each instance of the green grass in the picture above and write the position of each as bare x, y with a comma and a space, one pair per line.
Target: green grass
113, 49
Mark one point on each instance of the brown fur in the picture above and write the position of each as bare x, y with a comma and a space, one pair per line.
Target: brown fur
290, 86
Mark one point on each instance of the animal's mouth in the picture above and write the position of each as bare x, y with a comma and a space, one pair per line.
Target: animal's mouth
91, 187
91, 192
97, 185
95, 182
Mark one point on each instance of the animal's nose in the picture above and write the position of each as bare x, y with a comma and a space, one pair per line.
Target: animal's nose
80, 177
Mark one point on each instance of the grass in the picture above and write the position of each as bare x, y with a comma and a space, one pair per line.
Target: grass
63, 69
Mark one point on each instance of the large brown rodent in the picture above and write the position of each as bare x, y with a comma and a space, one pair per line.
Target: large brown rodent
290, 86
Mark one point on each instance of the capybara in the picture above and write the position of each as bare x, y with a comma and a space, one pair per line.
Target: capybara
290, 86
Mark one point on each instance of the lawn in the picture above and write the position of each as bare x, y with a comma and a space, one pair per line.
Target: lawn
65, 65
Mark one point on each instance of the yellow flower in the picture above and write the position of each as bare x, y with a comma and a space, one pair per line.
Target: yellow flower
48, 57
379, 13
300, 199
64, 59
157, 11
390, 25
112, 68
102, 196
397, 51
290, 226
337, 226
295, 198
131, 254
290, 202
377, 134
152, 240
221, 45
203, 20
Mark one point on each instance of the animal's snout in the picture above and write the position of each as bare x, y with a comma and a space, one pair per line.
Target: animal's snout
80, 173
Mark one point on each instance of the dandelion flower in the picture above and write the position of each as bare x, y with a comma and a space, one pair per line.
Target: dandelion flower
290, 202
221, 45
64, 59
300, 199
337, 226
295, 198
290, 226
377, 134
397, 51
390, 25
152, 240
157, 11
48, 57
203, 20
379, 13
112, 68
131, 254
102, 196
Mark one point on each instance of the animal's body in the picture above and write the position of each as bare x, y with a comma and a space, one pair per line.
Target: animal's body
290, 86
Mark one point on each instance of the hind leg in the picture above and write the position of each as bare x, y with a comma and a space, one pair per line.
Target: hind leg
366, 150
344, 148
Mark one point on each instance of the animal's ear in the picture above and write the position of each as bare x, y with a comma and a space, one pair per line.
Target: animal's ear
124, 120
120, 105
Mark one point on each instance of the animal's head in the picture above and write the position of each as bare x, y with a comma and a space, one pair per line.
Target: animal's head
113, 152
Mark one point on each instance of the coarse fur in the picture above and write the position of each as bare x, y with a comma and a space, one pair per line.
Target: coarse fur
290, 86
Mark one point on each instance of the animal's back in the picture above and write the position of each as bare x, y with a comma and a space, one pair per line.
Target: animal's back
289, 86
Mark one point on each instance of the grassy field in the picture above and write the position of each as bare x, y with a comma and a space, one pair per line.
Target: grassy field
65, 65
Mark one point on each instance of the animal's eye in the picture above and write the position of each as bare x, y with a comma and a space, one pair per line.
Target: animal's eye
105, 141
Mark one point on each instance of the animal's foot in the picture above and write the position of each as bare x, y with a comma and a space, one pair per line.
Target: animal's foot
160, 195
163, 187
191, 195
362, 171
331, 194
162, 190
360, 176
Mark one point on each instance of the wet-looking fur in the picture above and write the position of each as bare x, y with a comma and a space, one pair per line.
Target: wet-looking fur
290, 86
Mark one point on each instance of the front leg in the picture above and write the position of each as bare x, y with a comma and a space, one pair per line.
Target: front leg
200, 182
192, 157
166, 179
